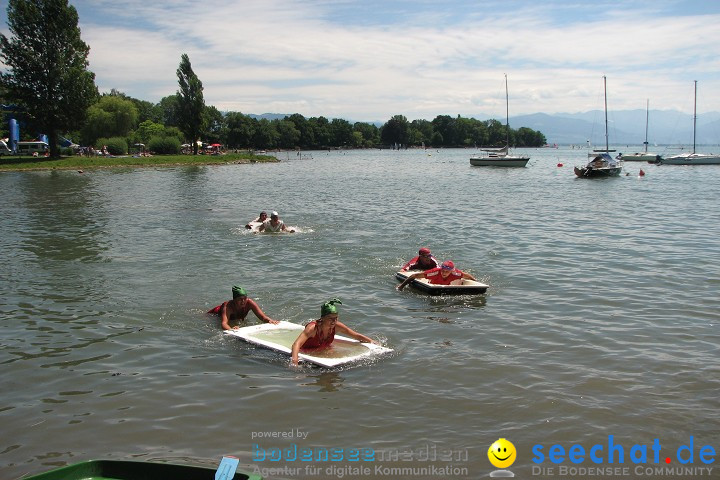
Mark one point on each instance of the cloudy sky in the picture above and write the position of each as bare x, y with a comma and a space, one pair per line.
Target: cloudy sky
367, 60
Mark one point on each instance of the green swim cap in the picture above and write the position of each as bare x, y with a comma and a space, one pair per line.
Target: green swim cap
239, 292
329, 307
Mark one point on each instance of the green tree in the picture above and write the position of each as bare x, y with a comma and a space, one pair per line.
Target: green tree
369, 132
111, 116
168, 108
396, 130
477, 134
341, 133
321, 131
288, 134
47, 66
240, 130
214, 125
307, 135
496, 132
191, 104
147, 130
421, 131
446, 126
266, 135
146, 110
527, 137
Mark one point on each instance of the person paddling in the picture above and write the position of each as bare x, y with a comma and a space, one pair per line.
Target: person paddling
321, 332
423, 261
442, 275
274, 225
234, 311
260, 219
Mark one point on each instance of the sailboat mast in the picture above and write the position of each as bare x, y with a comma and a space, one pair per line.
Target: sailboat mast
507, 114
694, 116
607, 143
647, 118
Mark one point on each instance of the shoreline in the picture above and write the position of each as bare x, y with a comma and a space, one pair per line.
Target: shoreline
20, 164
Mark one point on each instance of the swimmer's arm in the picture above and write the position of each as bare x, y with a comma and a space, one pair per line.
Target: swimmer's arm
468, 276
260, 314
300, 341
409, 279
225, 320
342, 328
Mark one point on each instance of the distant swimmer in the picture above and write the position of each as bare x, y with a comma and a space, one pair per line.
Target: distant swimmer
321, 332
274, 225
442, 275
234, 311
423, 261
260, 219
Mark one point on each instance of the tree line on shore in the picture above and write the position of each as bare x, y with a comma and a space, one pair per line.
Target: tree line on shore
60, 98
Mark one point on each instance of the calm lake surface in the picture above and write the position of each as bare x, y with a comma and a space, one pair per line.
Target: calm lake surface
602, 317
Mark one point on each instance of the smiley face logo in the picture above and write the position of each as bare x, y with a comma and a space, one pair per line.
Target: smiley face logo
502, 453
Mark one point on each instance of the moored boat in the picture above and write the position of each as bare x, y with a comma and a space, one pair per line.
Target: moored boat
499, 157
459, 287
692, 158
641, 157
133, 470
600, 162
644, 156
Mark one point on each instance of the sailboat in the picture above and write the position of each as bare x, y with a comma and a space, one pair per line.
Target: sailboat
692, 158
645, 156
600, 163
499, 157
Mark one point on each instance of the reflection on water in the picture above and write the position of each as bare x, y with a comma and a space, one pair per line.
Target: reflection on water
64, 220
601, 316
326, 381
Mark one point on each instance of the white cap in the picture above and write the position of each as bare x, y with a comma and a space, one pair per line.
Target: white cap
274, 214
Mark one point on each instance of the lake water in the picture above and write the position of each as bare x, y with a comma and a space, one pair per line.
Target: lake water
602, 317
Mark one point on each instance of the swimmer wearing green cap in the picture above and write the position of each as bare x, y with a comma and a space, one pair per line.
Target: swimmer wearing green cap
320, 333
234, 311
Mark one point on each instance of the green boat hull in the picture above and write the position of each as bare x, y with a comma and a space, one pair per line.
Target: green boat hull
128, 470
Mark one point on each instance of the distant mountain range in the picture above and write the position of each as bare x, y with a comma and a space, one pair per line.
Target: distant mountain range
666, 127
626, 127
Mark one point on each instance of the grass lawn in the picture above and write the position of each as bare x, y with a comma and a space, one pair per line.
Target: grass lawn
82, 163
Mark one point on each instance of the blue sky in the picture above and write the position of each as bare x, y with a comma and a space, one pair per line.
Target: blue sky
369, 60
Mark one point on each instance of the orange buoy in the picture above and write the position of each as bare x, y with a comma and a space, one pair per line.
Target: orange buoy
560, 164
642, 173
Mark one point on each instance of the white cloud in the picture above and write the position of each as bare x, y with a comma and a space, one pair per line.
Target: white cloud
287, 56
